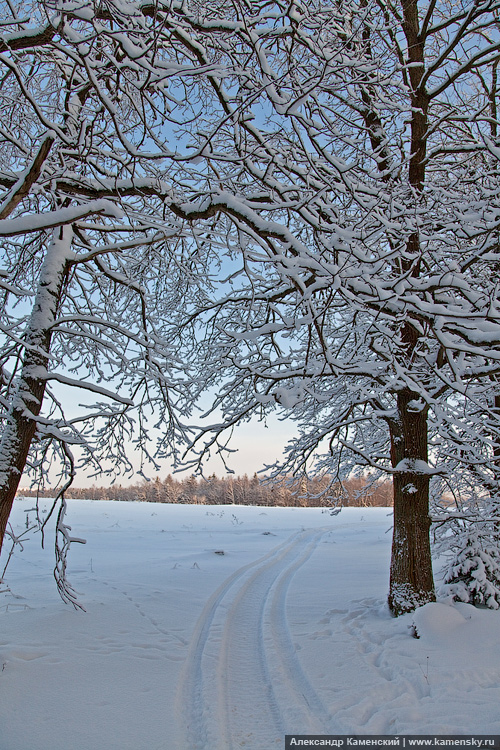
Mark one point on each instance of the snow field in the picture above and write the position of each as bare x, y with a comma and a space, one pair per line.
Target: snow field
182, 647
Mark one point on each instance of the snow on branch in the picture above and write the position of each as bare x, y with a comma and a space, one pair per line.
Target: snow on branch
39, 222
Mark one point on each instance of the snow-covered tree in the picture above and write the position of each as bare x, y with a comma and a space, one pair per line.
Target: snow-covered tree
466, 507
357, 171
92, 265
327, 175
472, 571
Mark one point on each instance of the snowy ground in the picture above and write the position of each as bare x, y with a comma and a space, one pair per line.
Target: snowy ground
182, 647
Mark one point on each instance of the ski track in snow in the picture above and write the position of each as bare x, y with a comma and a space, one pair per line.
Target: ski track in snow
242, 679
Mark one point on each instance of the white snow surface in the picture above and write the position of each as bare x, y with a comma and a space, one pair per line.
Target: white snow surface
214, 628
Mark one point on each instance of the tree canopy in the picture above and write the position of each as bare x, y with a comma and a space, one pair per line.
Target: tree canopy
295, 205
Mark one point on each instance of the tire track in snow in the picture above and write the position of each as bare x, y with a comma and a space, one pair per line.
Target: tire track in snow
306, 710
242, 683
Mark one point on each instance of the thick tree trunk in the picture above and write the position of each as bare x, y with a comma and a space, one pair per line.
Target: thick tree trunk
21, 422
495, 489
496, 442
411, 583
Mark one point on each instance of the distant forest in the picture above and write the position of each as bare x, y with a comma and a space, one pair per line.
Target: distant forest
239, 491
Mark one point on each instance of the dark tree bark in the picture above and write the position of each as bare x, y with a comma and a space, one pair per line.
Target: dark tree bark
411, 578
411, 581
21, 422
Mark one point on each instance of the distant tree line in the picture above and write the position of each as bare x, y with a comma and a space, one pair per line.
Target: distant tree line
243, 490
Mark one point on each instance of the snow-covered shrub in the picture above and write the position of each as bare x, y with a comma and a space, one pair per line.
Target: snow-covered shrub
473, 574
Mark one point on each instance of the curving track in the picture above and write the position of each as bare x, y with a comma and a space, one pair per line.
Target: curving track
242, 685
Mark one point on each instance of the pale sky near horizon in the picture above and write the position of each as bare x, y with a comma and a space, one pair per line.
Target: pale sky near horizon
256, 445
